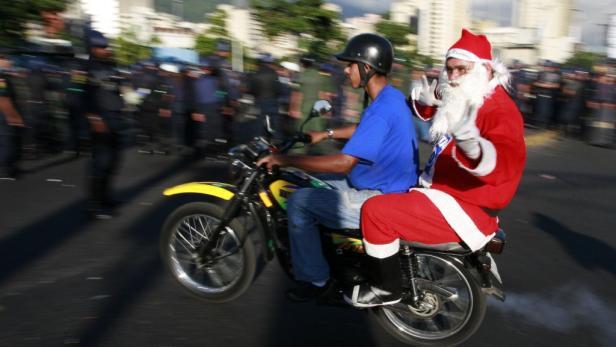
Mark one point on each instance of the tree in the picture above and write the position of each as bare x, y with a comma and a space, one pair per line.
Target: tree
394, 32
155, 40
317, 28
128, 50
15, 15
584, 60
218, 22
205, 44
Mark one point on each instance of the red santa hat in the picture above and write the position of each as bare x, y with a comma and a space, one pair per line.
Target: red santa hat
477, 48
471, 47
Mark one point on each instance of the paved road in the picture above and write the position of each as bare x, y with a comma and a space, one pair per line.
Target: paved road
66, 280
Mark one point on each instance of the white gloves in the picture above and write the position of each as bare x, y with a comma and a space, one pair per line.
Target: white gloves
466, 134
425, 94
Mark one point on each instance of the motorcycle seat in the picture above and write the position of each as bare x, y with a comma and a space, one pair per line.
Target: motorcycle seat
447, 247
495, 245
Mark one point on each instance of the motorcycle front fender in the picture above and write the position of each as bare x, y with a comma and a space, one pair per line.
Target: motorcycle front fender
219, 190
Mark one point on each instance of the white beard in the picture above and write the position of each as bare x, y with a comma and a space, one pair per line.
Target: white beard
469, 94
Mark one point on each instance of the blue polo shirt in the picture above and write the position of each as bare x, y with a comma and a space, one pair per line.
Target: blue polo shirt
385, 144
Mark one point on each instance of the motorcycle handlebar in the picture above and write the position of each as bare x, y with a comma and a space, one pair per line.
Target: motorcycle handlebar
298, 137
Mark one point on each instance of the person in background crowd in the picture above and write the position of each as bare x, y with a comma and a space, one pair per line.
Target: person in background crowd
207, 106
265, 86
313, 86
104, 106
39, 108
602, 103
521, 88
287, 77
546, 89
153, 86
338, 98
177, 97
574, 87
12, 124
228, 91
74, 101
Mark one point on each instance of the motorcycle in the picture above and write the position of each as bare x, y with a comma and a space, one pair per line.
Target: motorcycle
212, 247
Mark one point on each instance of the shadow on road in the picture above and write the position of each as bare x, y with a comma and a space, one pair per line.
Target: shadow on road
588, 251
133, 275
32, 242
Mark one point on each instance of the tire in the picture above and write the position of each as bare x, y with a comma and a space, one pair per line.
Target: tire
225, 279
452, 321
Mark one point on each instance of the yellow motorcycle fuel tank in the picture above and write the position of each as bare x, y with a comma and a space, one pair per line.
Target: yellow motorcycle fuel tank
281, 190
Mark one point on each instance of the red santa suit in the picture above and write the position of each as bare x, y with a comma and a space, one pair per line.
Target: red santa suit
457, 198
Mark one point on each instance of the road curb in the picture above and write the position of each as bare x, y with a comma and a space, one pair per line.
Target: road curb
540, 138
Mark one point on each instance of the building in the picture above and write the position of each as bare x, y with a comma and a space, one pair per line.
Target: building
168, 29
438, 23
611, 37
357, 25
550, 20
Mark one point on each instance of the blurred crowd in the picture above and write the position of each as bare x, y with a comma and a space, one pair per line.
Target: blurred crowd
173, 107
577, 102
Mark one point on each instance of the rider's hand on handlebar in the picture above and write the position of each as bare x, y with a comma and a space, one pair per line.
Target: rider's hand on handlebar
270, 161
317, 136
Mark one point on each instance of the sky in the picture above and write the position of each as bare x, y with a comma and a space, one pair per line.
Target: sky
589, 13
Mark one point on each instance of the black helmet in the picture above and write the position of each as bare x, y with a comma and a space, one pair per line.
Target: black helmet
370, 49
97, 39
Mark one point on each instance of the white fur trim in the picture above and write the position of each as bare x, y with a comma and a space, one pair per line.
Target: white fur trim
463, 54
382, 251
419, 114
455, 216
488, 159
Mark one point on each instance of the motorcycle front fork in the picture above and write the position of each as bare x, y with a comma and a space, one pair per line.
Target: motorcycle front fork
204, 252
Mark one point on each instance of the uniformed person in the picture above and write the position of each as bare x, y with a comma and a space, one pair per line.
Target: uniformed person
75, 104
104, 114
11, 123
154, 87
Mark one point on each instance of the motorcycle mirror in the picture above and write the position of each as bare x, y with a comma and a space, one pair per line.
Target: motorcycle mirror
268, 125
321, 107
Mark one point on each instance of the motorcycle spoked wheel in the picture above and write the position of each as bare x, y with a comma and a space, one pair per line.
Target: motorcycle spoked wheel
441, 321
227, 277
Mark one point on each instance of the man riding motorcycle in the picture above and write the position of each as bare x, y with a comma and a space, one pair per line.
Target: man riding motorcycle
474, 170
380, 157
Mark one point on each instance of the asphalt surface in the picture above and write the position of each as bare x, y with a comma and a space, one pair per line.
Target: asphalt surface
68, 280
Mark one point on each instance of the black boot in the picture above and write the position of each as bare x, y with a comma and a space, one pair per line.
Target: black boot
385, 287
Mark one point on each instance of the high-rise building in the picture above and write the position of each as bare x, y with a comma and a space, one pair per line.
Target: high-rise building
126, 6
611, 37
105, 15
551, 18
438, 23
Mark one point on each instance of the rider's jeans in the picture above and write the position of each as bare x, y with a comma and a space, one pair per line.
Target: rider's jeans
337, 208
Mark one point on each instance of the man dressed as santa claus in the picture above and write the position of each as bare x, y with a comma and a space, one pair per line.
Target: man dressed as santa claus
473, 172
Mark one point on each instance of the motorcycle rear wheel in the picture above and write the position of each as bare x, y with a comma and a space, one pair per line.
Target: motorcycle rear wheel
445, 321
226, 278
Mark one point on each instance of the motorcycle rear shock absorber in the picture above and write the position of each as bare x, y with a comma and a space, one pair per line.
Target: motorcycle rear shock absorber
409, 265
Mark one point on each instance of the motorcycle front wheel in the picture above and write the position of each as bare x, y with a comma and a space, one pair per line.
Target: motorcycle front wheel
233, 267
452, 306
